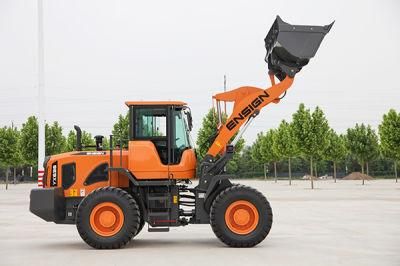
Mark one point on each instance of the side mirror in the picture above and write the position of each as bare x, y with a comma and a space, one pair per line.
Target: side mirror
190, 119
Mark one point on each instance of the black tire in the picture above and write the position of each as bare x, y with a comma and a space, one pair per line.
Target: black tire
130, 223
141, 225
221, 204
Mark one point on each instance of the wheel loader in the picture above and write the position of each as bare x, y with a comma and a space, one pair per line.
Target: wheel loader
111, 194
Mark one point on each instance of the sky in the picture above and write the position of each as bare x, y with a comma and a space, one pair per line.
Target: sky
99, 54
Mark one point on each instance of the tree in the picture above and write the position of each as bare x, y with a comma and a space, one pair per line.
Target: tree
121, 131
29, 141
70, 143
256, 152
86, 139
55, 141
389, 132
248, 167
284, 144
362, 142
17, 158
310, 134
267, 150
207, 134
336, 149
8, 148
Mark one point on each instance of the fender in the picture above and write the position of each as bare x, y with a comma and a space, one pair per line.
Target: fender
217, 184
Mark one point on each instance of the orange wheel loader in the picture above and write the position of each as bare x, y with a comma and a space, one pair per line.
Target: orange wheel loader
110, 194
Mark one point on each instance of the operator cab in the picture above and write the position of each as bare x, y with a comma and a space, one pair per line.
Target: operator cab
161, 131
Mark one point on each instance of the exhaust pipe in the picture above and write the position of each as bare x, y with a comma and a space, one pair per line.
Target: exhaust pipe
290, 47
78, 138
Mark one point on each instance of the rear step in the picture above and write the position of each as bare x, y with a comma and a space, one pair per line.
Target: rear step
158, 229
158, 214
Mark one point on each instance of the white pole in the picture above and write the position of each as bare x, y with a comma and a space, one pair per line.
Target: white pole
41, 95
225, 91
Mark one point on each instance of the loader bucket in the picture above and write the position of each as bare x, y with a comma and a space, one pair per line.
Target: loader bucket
290, 47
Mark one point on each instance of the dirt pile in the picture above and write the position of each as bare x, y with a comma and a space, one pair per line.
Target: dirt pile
357, 176
308, 177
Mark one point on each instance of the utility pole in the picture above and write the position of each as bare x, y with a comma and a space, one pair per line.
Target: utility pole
15, 170
225, 91
41, 94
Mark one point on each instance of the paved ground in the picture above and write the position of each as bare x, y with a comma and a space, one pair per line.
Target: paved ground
336, 224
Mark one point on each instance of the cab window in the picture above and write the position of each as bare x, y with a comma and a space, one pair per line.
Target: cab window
182, 137
68, 175
100, 173
150, 123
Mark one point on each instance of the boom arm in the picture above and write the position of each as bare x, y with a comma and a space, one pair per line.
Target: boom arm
289, 49
247, 101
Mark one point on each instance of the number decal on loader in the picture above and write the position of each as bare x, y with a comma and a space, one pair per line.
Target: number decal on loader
53, 181
73, 192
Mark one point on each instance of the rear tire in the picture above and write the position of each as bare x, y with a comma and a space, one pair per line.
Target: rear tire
241, 216
108, 218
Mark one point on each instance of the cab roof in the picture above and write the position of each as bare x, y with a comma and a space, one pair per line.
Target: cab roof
130, 103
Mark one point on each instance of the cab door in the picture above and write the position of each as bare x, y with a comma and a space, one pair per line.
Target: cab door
182, 158
149, 143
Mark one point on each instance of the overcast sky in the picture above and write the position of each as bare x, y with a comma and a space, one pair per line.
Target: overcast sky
98, 54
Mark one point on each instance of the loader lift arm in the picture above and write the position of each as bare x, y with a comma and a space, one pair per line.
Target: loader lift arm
248, 101
289, 49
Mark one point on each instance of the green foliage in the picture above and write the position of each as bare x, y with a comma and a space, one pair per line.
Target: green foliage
87, 140
336, 149
206, 133
389, 132
18, 160
362, 142
8, 146
121, 130
70, 142
310, 132
248, 167
302, 129
206, 136
29, 141
256, 149
284, 144
234, 163
55, 141
268, 153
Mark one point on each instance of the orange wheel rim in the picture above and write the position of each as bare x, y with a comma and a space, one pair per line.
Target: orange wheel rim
106, 219
241, 217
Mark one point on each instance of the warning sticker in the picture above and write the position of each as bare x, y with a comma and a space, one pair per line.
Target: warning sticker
73, 192
82, 192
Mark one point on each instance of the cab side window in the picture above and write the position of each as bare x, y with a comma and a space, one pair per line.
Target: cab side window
151, 124
68, 175
100, 173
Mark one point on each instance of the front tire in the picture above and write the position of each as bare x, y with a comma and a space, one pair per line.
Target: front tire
108, 218
241, 216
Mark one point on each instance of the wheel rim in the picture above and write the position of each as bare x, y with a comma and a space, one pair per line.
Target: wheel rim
241, 217
106, 219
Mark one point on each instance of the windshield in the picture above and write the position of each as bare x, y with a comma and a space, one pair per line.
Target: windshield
182, 133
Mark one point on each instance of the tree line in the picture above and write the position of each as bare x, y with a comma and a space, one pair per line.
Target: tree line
305, 144
19, 147
308, 138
